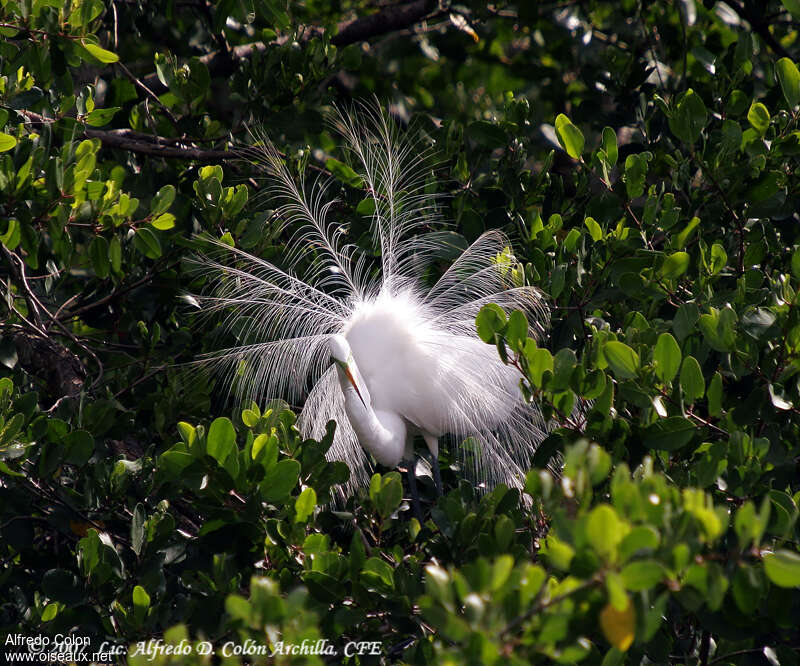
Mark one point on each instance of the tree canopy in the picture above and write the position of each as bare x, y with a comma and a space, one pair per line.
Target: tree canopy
642, 155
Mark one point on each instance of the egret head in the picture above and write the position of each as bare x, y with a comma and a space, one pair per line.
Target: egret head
343, 357
340, 350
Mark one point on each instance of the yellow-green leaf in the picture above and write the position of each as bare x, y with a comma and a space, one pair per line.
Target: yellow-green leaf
7, 142
783, 568
569, 136
100, 53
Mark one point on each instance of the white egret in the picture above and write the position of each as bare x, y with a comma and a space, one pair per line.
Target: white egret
388, 355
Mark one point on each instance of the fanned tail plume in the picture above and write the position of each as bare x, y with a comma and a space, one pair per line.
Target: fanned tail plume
415, 346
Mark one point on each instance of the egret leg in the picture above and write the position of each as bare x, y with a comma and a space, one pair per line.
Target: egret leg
412, 486
433, 448
437, 475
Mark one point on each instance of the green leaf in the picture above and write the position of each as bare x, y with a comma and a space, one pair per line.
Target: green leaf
642, 575
280, 480
604, 531
595, 232
789, 77
164, 222
635, 173
98, 252
221, 440
669, 434
640, 538
491, 321
79, 445
758, 116
539, 362
516, 329
692, 382
689, 117
147, 243
115, 254
569, 136
783, 568
9, 430
486, 134
719, 259
162, 200
389, 494
719, 328
62, 585
13, 235
269, 445
304, 505
685, 320
609, 146
7, 142
674, 265
714, 395
50, 612
344, 173
378, 571
667, 357
622, 359
100, 117
140, 598
137, 528
100, 53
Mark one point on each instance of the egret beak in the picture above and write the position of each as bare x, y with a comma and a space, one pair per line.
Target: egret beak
352, 380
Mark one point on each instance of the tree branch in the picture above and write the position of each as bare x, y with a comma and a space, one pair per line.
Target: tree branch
146, 144
394, 17
758, 25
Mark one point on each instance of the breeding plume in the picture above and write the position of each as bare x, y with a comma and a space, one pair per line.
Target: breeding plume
371, 338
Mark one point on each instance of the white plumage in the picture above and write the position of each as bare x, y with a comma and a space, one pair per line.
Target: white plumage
408, 359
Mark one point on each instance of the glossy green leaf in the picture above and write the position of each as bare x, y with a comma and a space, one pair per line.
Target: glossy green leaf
569, 136
783, 568
7, 142
689, 117
280, 480
221, 440
623, 360
491, 321
758, 117
344, 173
147, 243
162, 200
789, 78
669, 434
595, 232
304, 505
100, 53
692, 382
98, 251
100, 117
675, 265
609, 146
667, 357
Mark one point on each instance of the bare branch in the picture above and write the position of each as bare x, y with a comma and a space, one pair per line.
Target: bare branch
746, 12
146, 144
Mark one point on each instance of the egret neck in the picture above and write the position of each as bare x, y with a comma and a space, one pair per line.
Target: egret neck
382, 433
